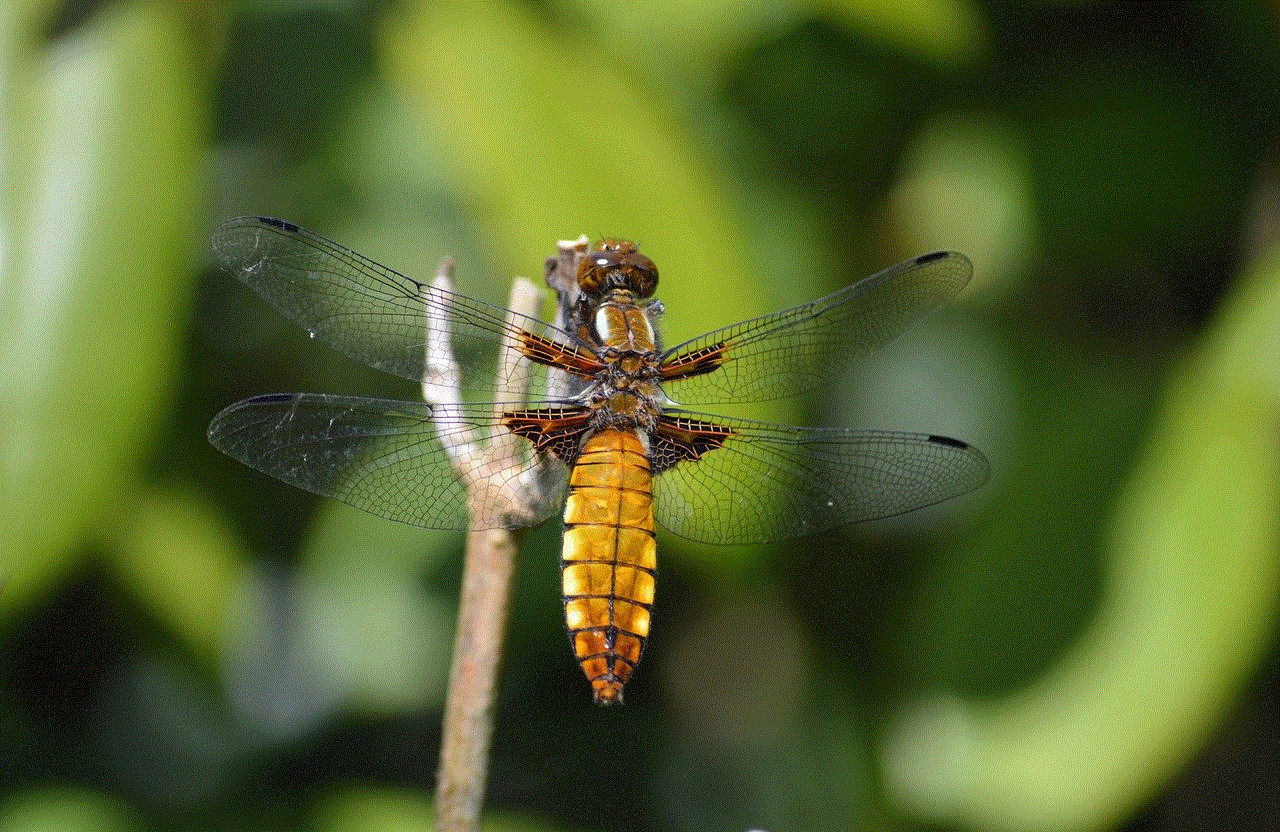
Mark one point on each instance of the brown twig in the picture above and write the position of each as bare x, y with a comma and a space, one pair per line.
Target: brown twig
473, 679
488, 564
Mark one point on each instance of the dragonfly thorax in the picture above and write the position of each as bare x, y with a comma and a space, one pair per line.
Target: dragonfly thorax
625, 409
626, 391
617, 322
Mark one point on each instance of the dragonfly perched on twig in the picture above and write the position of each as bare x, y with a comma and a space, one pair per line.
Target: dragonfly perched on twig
605, 441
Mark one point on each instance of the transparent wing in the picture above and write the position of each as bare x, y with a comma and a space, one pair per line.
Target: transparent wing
379, 455
365, 310
773, 482
798, 349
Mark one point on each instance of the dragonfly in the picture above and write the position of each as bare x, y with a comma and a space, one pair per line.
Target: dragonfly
601, 437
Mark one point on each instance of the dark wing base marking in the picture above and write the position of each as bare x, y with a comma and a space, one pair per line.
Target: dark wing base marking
695, 362
555, 431
679, 439
561, 356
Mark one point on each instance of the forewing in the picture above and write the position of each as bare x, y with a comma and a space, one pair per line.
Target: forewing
367, 311
773, 482
798, 349
382, 456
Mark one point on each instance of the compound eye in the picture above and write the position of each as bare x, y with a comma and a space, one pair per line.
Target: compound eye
643, 263
643, 274
617, 264
594, 267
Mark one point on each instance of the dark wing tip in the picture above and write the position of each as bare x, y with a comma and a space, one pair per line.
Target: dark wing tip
275, 397
957, 268
963, 265
940, 255
275, 223
980, 472
252, 219
237, 224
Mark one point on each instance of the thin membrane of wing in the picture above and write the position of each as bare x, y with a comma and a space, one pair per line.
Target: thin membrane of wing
801, 348
774, 482
365, 310
379, 455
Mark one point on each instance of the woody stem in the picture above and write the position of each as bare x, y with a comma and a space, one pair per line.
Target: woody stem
473, 679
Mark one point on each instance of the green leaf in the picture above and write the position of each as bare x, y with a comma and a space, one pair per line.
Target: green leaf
377, 639
70, 809
1188, 610
346, 543
366, 622
684, 45
182, 561
95, 236
945, 32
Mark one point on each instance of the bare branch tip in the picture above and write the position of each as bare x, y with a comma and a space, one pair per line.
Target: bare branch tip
525, 298
578, 245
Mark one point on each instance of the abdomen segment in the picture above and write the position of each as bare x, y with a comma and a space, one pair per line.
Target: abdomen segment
609, 559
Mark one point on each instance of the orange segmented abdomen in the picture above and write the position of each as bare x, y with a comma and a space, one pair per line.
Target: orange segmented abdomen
609, 559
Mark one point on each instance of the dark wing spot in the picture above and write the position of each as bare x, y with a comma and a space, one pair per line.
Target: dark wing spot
287, 226
948, 441
270, 397
929, 258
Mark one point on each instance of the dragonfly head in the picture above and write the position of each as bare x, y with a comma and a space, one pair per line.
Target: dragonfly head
616, 264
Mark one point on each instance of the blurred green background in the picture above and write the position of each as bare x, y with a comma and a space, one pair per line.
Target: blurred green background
1087, 643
